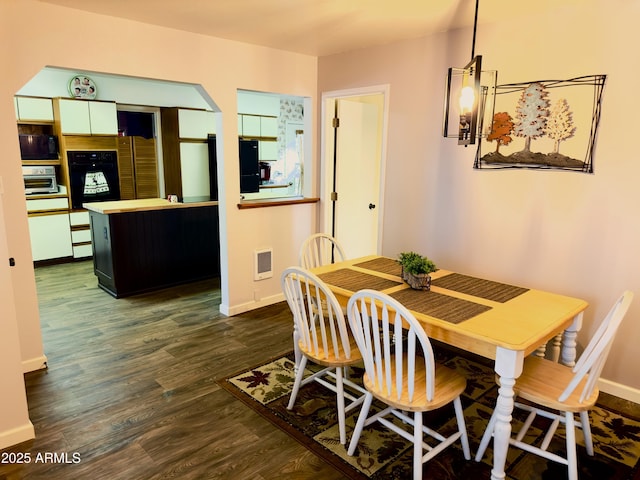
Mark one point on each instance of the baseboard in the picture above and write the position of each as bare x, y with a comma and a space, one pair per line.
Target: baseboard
37, 363
248, 306
622, 391
17, 435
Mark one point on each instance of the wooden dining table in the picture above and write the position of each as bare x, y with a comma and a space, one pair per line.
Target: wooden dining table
496, 320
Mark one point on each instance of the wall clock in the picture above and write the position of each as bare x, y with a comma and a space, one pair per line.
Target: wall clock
81, 86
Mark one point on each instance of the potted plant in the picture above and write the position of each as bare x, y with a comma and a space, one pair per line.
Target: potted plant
416, 269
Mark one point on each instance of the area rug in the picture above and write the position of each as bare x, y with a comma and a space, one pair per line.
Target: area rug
382, 454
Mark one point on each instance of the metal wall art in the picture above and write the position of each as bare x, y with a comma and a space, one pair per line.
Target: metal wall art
550, 124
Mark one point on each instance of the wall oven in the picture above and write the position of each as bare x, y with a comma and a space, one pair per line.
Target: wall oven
39, 179
93, 176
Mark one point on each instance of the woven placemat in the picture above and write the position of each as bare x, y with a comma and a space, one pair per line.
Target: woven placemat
382, 265
353, 280
437, 305
487, 289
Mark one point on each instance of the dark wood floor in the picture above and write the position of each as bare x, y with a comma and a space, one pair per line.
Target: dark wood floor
131, 391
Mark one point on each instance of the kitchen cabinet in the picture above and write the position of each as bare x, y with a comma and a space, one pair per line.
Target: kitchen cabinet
196, 124
50, 236
194, 167
185, 152
32, 109
137, 168
82, 117
264, 129
80, 234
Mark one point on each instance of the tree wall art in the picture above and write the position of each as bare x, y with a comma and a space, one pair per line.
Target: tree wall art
549, 124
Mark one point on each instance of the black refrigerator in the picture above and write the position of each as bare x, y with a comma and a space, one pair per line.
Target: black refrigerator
249, 167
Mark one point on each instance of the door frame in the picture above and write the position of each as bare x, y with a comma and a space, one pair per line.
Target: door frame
326, 156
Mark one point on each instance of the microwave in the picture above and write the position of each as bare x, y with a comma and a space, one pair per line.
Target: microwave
38, 147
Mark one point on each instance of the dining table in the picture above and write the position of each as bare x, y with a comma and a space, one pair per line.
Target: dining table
499, 321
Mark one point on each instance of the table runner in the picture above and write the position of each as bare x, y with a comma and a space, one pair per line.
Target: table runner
487, 289
353, 280
382, 265
437, 305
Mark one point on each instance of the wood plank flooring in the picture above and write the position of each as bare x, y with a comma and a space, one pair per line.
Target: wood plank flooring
131, 388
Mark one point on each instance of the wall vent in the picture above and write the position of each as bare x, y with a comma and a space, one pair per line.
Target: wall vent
263, 264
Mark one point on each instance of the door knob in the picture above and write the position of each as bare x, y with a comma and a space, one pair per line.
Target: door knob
371, 206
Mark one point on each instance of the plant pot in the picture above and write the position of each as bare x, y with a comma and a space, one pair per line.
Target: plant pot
421, 281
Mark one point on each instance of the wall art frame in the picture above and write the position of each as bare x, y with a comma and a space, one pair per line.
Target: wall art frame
544, 124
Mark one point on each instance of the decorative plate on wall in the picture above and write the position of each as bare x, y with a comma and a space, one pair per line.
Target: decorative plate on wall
81, 86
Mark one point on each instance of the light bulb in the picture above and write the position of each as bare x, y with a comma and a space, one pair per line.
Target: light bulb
466, 100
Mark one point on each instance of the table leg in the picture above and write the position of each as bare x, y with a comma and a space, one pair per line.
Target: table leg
569, 341
509, 367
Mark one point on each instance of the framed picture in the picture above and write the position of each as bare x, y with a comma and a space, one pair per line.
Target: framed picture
82, 86
549, 124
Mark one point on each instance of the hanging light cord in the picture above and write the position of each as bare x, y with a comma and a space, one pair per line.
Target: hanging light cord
475, 27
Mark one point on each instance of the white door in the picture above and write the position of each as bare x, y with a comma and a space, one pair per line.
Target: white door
358, 159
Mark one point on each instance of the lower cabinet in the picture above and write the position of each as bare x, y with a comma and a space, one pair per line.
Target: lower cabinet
80, 234
50, 236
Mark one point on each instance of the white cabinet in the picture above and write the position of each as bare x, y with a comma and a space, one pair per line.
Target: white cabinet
194, 168
196, 124
80, 234
257, 126
42, 204
250, 126
80, 117
267, 150
264, 128
268, 127
50, 236
31, 109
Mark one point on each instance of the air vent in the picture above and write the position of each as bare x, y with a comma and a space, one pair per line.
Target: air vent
263, 264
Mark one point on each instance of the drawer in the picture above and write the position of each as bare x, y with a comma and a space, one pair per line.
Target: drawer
79, 218
82, 251
47, 204
80, 236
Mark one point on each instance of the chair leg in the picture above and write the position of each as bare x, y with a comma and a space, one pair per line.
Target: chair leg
572, 458
357, 431
340, 401
462, 428
297, 382
586, 430
488, 433
417, 446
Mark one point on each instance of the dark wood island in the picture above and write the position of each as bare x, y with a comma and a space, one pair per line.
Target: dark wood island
148, 244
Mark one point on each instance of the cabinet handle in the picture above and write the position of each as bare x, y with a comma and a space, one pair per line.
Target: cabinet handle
106, 237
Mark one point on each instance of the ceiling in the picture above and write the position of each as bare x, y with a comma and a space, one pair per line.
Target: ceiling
314, 27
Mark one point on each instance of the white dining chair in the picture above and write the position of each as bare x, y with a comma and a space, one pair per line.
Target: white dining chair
402, 375
551, 387
324, 338
320, 249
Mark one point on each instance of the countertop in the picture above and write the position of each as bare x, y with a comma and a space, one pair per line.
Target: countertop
143, 204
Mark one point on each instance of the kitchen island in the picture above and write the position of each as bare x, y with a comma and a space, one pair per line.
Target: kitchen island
148, 244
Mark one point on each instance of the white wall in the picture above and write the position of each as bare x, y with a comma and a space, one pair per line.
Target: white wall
130, 48
569, 232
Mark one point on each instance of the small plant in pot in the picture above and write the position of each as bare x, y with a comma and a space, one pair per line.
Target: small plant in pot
416, 269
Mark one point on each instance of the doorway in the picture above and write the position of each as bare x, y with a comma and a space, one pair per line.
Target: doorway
354, 154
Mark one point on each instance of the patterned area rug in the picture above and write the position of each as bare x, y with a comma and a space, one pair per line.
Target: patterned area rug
382, 454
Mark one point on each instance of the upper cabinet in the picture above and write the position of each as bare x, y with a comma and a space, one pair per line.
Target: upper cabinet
81, 117
196, 124
258, 126
31, 109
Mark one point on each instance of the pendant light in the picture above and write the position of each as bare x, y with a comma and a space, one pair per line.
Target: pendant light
471, 88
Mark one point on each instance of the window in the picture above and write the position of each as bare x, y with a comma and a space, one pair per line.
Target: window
273, 126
